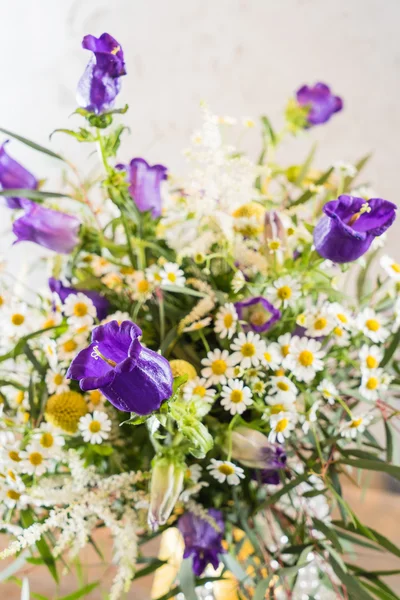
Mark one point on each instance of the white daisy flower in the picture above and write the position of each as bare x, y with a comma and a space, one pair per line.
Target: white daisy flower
114, 281
79, 309
54, 317
13, 496
153, 274
283, 389
226, 321
50, 349
238, 282
224, 470
101, 265
373, 382
198, 388
280, 404
197, 325
272, 356
345, 169
340, 336
372, 325
11, 454
285, 291
281, 425
319, 323
142, 287
95, 427
304, 359
248, 349
69, 344
391, 267
118, 316
311, 416
95, 400
284, 342
236, 397
171, 274
342, 316
56, 381
370, 357
259, 387
49, 439
194, 472
357, 425
16, 321
218, 367
328, 390
34, 460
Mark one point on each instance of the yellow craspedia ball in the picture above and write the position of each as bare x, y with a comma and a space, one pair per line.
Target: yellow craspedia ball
64, 410
252, 215
182, 367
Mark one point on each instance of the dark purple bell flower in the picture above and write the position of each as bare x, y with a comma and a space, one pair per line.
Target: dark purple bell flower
132, 377
202, 540
259, 314
145, 185
100, 83
323, 104
63, 291
349, 226
15, 176
49, 228
268, 476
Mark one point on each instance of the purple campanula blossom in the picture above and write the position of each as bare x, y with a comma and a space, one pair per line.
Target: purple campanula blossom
145, 185
47, 227
349, 226
202, 540
253, 450
101, 304
15, 176
132, 377
100, 83
259, 314
323, 104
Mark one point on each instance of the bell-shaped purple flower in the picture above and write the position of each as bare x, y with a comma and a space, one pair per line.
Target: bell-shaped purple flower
47, 227
323, 104
257, 313
132, 377
349, 226
15, 176
101, 304
202, 539
145, 185
253, 450
100, 83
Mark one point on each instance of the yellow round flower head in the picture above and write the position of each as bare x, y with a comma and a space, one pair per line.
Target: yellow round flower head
182, 367
64, 410
252, 214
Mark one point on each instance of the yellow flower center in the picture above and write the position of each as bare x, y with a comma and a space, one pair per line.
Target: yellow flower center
13, 495
228, 320
47, 440
279, 373
356, 423
19, 398
320, 323
274, 245
373, 324
338, 331
395, 267
11, 475
70, 346
342, 318
58, 379
80, 309
181, 367
17, 319
143, 286
14, 456
171, 277
1, 300
282, 424
126, 270
372, 383
95, 397
199, 390
371, 361
277, 408
290, 231
284, 292
267, 356
226, 469
36, 459
306, 358
281, 385
257, 318
48, 323
248, 349
64, 410
95, 426
219, 367
236, 396
285, 350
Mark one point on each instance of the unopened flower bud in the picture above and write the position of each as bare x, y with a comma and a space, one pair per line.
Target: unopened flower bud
252, 449
273, 228
165, 489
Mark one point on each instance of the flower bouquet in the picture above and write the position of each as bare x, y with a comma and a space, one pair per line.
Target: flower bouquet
207, 363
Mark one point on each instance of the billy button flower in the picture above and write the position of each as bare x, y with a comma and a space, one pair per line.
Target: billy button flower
65, 410
182, 367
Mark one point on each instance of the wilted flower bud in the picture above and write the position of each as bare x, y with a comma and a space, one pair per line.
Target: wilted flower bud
252, 449
165, 489
273, 228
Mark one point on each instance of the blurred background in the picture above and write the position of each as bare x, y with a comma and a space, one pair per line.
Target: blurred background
244, 57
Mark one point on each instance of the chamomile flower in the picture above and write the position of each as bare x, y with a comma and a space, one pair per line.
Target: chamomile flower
171, 274
12, 496
311, 416
274, 245
238, 282
68, 345
319, 323
11, 454
79, 309
283, 389
153, 274
281, 425
198, 388
259, 387
284, 343
328, 391
101, 265
370, 357
218, 367
49, 439
226, 321
95, 400
225, 470
142, 287
272, 356
341, 315
34, 460
373, 383
285, 291
236, 397
16, 321
194, 472
197, 325
95, 427
248, 349
356, 425
118, 316
340, 336
391, 267
56, 381
372, 325
304, 359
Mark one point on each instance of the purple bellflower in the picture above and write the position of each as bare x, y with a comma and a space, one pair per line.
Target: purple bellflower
15, 176
132, 377
101, 304
349, 226
323, 104
257, 313
47, 227
202, 540
253, 450
145, 185
100, 83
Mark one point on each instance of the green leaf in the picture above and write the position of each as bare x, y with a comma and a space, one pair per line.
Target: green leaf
102, 450
261, 589
329, 533
155, 564
389, 442
379, 593
370, 534
83, 135
309, 194
391, 349
353, 587
19, 348
32, 144
42, 546
82, 592
305, 167
16, 384
187, 580
135, 419
175, 289
36, 195
178, 383
236, 568
284, 490
355, 540
372, 465
359, 166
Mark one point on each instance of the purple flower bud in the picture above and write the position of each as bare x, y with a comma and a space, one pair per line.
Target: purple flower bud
145, 185
100, 83
323, 104
102, 304
49, 228
349, 226
15, 176
259, 314
273, 227
202, 539
133, 378
165, 489
253, 450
